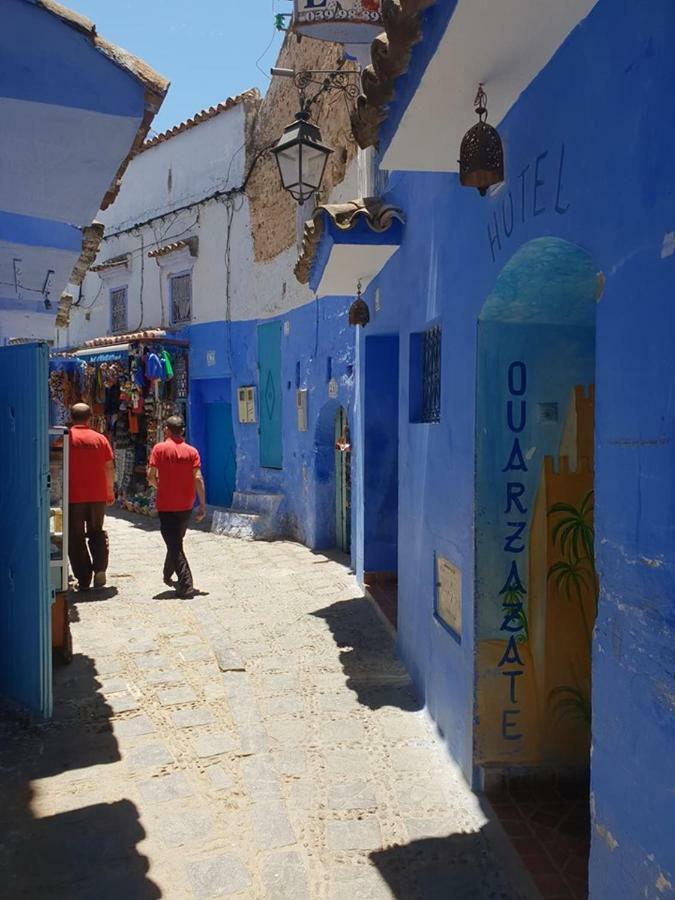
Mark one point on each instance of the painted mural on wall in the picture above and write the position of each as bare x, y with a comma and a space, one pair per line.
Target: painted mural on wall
535, 577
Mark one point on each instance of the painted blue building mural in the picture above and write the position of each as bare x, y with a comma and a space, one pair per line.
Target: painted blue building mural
552, 297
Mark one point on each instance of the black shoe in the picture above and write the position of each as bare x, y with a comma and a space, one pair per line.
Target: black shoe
83, 587
169, 582
186, 595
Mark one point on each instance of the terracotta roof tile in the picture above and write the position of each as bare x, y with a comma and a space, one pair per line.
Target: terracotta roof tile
191, 243
390, 55
250, 96
113, 263
378, 215
152, 334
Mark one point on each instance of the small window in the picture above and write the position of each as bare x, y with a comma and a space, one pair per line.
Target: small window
181, 298
118, 310
425, 375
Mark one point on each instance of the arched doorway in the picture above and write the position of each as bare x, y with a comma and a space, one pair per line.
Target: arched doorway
332, 479
536, 583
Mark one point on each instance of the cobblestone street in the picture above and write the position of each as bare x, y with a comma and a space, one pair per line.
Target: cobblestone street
258, 741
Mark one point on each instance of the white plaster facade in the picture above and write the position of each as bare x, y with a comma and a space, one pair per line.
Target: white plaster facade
167, 195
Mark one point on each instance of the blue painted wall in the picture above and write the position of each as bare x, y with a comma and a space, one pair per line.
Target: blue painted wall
585, 149
317, 345
56, 77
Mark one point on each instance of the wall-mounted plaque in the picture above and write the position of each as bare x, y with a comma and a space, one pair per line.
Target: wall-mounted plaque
449, 594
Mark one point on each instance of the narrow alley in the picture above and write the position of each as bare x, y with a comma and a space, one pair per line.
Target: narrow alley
259, 741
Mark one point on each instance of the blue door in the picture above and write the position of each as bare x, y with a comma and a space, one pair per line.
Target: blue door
269, 370
25, 597
221, 458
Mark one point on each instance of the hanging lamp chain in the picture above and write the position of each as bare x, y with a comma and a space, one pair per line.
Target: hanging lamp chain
480, 103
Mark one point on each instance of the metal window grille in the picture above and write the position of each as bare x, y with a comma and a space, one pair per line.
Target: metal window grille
180, 377
431, 375
181, 298
118, 310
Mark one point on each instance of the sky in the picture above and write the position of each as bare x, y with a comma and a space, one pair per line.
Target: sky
208, 49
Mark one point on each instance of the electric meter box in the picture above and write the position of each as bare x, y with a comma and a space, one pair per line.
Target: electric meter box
246, 397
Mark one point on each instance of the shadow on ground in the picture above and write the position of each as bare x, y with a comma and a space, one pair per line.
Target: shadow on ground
457, 867
148, 523
79, 853
368, 656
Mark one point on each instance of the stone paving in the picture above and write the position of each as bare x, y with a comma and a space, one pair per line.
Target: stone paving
259, 741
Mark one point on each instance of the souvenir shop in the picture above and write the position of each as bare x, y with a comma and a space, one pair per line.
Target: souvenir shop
132, 386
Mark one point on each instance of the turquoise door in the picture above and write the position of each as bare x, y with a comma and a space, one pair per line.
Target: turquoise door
270, 397
25, 596
221, 458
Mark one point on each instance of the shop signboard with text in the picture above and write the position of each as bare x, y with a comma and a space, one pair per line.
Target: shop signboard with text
342, 21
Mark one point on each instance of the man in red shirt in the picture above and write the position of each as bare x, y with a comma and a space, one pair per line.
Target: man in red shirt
90, 488
175, 470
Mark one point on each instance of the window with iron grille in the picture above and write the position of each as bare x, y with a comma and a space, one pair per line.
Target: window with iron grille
431, 375
425, 375
181, 298
118, 310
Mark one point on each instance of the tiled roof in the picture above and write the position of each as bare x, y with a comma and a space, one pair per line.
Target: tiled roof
252, 96
390, 57
113, 263
152, 334
378, 215
191, 243
155, 85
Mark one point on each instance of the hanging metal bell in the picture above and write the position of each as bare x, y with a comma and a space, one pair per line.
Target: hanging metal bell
359, 314
481, 156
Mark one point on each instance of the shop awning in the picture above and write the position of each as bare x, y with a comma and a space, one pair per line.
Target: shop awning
104, 354
348, 243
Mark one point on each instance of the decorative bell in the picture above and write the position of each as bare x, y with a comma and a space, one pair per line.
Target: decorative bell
481, 156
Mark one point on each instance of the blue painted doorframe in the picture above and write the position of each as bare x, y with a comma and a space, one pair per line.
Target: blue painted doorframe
221, 457
25, 598
270, 396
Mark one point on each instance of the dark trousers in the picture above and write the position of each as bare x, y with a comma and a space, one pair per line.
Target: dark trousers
87, 541
173, 526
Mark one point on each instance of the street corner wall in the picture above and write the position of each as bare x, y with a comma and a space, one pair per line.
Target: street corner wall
273, 211
317, 353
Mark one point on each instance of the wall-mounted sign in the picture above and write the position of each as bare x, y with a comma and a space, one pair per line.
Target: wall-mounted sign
210, 357
287, 327
449, 594
342, 21
333, 389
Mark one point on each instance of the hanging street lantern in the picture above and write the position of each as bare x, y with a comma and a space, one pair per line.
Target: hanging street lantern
301, 157
359, 314
481, 156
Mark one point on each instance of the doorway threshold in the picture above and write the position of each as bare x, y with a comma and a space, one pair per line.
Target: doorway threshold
547, 820
382, 591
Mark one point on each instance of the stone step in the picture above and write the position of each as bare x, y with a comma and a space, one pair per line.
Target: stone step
244, 525
256, 502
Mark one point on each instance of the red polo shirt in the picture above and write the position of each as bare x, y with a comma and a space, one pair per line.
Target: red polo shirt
89, 452
175, 462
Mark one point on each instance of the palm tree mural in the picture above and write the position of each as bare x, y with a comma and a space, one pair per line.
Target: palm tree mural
576, 579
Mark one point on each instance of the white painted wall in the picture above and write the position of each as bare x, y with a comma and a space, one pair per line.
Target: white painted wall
202, 160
